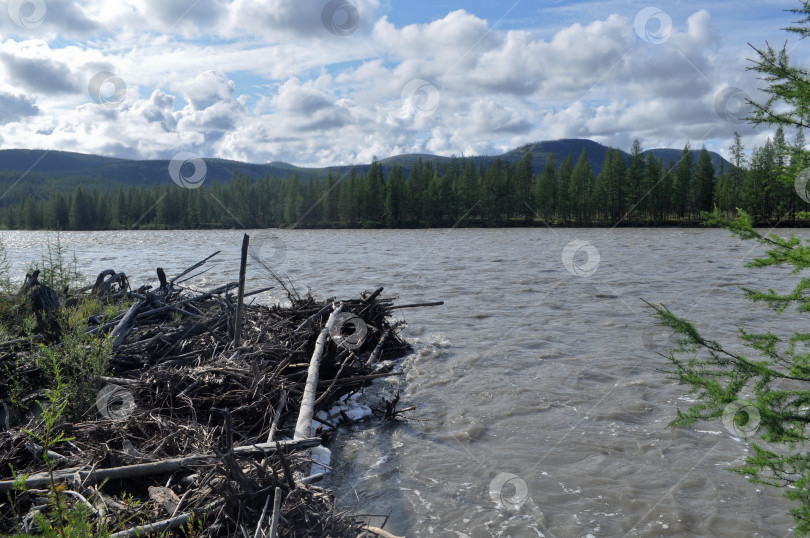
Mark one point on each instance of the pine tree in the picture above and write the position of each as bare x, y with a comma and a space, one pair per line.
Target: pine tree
659, 187
681, 183
394, 195
29, 214
704, 181
374, 193
544, 197
782, 191
759, 182
636, 197
523, 185
80, 217
581, 177
491, 189
469, 187
564, 189
616, 179
798, 162
737, 171
601, 195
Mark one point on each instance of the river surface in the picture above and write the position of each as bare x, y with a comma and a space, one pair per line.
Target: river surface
542, 406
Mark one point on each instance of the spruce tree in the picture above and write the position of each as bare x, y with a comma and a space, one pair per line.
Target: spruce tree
581, 177
704, 181
564, 190
544, 198
636, 196
681, 183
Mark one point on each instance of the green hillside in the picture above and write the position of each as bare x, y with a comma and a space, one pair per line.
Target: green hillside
63, 171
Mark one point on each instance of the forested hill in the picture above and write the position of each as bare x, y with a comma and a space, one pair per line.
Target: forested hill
63, 171
525, 187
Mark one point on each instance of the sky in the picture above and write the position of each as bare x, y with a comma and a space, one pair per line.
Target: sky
329, 82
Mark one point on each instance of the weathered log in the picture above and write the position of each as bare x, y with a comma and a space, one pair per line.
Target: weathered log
276, 513
44, 302
314, 316
307, 409
118, 278
105, 280
261, 517
359, 379
417, 305
161, 274
122, 330
380, 532
375, 355
98, 286
277, 417
376, 293
328, 390
31, 280
44, 299
160, 309
158, 467
368, 302
166, 524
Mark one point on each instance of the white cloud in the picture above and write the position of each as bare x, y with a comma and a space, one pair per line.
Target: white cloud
206, 89
31, 67
272, 20
265, 80
16, 107
301, 99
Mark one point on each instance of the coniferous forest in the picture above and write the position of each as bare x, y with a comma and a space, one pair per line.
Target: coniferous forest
638, 190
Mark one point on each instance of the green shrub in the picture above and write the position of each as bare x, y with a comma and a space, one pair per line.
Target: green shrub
58, 267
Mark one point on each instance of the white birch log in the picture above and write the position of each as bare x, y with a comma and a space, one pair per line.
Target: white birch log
304, 423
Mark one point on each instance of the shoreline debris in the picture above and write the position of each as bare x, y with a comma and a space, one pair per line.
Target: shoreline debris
208, 417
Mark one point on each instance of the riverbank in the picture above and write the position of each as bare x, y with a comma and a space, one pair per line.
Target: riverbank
463, 223
128, 411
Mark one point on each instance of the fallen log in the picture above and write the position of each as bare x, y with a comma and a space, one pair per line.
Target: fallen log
314, 316
417, 305
380, 532
276, 513
98, 286
375, 355
166, 524
122, 330
307, 409
158, 467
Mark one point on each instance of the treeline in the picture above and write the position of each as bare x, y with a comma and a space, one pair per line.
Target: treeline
638, 190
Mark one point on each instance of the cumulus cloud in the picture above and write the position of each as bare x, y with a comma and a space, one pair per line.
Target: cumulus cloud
206, 89
301, 99
47, 20
40, 75
159, 109
308, 19
269, 80
15, 107
202, 15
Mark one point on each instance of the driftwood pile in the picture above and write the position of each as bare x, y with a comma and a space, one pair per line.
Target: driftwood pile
207, 416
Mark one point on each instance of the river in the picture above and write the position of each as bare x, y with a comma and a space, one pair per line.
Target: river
542, 406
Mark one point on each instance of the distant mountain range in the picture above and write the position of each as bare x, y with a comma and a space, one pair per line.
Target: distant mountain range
71, 169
